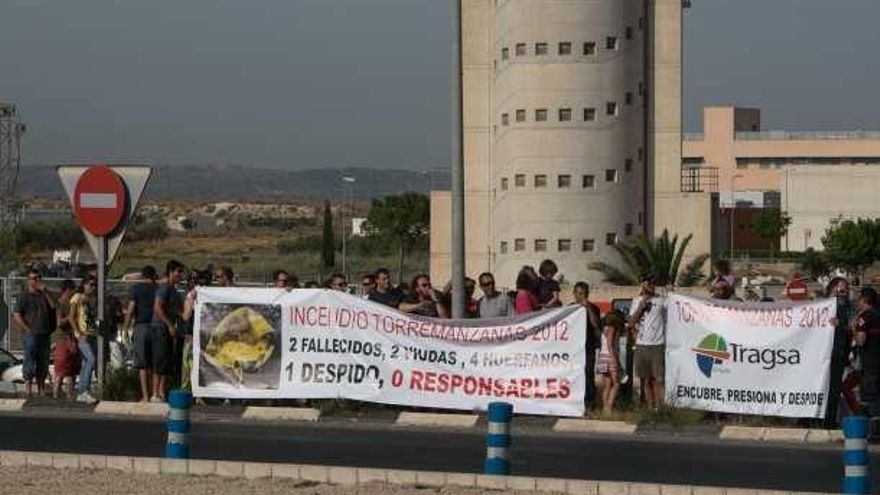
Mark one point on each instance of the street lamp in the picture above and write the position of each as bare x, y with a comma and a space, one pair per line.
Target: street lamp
350, 181
733, 210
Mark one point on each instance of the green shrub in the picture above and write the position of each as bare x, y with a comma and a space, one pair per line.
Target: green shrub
122, 384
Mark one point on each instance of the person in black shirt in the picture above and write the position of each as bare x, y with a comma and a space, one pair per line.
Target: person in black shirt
35, 314
867, 334
582, 297
548, 288
140, 313
384, 292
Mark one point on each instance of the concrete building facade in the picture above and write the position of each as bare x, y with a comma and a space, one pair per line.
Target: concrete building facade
564, 144
734, 147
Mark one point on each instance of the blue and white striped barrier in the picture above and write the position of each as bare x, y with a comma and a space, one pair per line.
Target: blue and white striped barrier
498, 439
855, 455
178, 425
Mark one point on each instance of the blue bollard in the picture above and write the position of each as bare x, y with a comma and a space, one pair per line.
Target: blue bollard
178, 426
498, 439
855, 455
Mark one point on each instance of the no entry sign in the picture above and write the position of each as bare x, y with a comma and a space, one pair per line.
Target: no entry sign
99, 200
796, 290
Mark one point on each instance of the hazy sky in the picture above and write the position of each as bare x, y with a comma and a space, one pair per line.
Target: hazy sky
347, 83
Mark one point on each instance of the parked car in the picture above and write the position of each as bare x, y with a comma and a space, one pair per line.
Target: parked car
10, 368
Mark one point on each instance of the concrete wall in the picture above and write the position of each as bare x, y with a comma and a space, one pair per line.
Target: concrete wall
817, 196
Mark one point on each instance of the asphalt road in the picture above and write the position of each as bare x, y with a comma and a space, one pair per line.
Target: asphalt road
635, 459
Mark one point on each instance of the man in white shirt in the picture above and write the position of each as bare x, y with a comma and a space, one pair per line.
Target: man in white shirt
647, 319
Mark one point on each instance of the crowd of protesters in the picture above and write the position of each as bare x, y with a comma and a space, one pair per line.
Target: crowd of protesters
159, 318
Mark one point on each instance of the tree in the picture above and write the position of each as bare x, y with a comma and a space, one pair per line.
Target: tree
815, 263
660, 257
403, 219
771, 224
328, 242
853, 245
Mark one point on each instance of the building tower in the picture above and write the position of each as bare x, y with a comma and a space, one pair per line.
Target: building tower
571, 126
11, 130
568, 166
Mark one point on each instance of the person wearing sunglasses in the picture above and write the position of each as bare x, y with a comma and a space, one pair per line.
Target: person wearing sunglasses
494, 303
423, 299
284, 280
35, 315
368, 285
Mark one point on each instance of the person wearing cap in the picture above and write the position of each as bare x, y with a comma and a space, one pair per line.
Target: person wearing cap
647, 320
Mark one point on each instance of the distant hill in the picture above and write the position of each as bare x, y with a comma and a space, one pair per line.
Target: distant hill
217, 182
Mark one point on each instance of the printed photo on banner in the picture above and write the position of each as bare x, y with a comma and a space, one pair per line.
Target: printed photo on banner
240, 345
749, 358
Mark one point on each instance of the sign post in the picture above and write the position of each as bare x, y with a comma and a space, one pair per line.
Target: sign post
104, 199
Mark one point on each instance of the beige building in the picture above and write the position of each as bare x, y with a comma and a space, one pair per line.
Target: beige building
572, 118
737, 155
817, 197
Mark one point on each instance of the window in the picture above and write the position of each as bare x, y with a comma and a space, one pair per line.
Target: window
505, 119
519, 244
521, 115
540, 245
641, 154
629, 32
520, 49
540, 180
565, 48
564, 114
641, 218
589, 115
540, 48
611, 108
641, 23
611, 175
505, 53
629, 98
765, 162
611, 238
541, 115
590, 48
628, 164
628, 229
589, 181
519, 180
641, 88
611, 43
588, 245
563, 245
503, 247
504, 183
563, 181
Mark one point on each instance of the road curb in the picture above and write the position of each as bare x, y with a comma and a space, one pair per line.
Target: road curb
256, 413
343, 475
781, 435
594, 426
8, 405
131, 409
437, 420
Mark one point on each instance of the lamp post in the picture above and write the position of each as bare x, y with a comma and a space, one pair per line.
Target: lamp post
350, 181
732, 210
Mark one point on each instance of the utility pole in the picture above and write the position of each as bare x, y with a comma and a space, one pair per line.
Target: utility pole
458, 243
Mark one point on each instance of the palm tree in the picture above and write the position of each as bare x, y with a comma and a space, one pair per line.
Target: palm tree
659, 256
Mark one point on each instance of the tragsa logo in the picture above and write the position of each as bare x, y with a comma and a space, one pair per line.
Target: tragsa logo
711, 352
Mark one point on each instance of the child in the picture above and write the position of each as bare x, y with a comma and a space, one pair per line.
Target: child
609, 363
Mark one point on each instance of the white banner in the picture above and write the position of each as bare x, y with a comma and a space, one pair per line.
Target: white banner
313, 344
769, 359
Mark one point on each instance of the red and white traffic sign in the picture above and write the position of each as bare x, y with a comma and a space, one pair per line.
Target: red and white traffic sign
796, 290
99, 200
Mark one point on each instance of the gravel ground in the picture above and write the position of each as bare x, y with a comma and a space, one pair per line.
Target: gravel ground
49, 481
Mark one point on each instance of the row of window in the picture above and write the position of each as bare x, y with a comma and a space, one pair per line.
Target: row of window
563, 245
612, 109
566, 48
780, 162
563, 181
